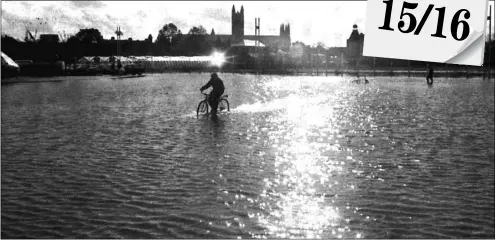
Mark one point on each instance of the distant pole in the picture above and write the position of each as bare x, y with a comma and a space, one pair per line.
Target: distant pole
317, 61
301, 66
311, 65
283, 64
257, 43
391, 70
409, 68
326, 63
342, 63
118, 33
374, 73
357, 67
446, 71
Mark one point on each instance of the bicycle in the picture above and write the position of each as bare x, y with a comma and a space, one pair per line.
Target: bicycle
204, 106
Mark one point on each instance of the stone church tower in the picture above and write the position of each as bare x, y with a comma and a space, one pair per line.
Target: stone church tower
285, 32
237, 25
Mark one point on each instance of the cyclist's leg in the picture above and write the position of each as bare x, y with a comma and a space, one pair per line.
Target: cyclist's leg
213, 103
429, 80
220, 94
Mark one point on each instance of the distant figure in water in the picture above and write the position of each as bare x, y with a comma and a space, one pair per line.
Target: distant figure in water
119, 64
429, 77
358, 81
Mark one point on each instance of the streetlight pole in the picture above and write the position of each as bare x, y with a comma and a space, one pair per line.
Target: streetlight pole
118, 33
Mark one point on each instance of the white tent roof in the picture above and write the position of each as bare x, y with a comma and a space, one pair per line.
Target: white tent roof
85, 59
6, 60
104, 59
140, 58
179, 58
90, 59
249, 43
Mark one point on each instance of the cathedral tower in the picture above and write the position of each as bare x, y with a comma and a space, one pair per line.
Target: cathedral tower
237, 24
285, 35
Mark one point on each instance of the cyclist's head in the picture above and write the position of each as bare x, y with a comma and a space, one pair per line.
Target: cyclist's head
214, 75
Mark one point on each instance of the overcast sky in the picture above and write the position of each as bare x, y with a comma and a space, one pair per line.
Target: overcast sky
329, 22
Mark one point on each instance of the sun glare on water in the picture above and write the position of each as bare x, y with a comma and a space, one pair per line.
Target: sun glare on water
293, 197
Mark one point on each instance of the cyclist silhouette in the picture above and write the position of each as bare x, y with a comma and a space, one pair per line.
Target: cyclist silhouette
218, 88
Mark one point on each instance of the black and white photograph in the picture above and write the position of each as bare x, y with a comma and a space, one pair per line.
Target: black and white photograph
247, 120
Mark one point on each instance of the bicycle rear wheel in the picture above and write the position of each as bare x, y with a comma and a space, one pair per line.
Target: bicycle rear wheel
224, 105
202, 108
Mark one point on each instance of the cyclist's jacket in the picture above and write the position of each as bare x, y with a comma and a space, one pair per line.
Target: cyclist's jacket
217, 85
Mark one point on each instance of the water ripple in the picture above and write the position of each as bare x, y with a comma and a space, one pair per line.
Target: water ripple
296, 157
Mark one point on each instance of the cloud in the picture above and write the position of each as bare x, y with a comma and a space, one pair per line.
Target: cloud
217, 14
16, 25
87, 4
11, 24
141, 14
307, 29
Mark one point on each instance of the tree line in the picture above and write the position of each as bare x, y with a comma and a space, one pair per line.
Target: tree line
90, 42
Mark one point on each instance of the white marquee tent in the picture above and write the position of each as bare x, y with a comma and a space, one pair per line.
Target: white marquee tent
154, 62
7, 61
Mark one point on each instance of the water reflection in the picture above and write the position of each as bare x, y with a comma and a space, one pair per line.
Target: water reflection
298, 201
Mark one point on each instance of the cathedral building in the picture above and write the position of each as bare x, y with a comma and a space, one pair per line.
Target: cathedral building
276, 42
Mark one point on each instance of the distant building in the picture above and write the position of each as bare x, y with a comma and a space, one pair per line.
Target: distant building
49, 38
337, 55
252, 47
277, 42
127, 47
355, 44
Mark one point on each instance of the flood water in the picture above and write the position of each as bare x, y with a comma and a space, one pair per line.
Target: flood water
304, 157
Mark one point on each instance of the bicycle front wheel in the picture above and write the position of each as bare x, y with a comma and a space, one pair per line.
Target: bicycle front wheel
224, 105
202, 108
